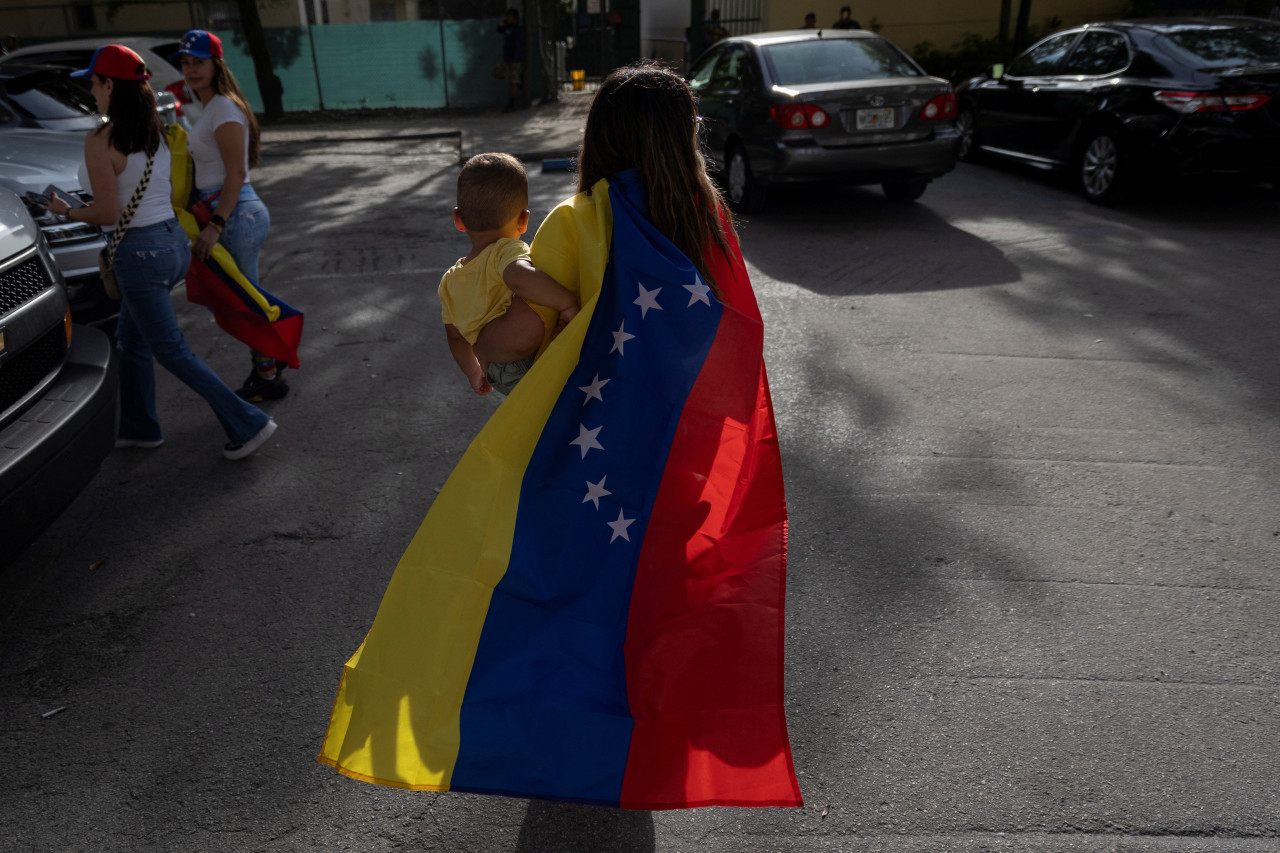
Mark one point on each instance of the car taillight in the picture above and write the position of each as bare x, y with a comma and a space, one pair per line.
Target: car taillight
943, 106
1210, 102
179, 91
799, 116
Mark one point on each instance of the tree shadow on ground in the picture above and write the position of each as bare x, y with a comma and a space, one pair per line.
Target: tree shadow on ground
845, 241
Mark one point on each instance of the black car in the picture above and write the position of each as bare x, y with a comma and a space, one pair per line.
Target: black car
820, 107
1127, 99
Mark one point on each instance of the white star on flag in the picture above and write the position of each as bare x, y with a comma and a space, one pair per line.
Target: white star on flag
699, 291
620, 527
586, 439
593, 390
647, 299
595, 491
620, 337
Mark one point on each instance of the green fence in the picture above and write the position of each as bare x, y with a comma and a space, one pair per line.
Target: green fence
389, 64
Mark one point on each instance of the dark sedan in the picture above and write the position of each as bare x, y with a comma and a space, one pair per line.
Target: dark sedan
818, 107
1127, 99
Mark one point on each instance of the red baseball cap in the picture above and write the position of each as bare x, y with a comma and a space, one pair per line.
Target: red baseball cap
117, 61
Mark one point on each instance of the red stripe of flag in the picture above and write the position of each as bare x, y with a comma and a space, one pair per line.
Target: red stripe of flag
711, 730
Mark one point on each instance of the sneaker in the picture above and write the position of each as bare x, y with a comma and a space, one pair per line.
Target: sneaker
240, 451
122, 443
256, 389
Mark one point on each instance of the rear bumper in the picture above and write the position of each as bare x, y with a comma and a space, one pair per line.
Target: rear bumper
54, 449
1202, 150
863, 164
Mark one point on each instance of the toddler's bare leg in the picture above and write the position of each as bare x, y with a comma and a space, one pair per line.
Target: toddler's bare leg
514, 335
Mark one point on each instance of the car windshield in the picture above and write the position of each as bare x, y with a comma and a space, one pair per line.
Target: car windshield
833, 60
1225, 47
46, 96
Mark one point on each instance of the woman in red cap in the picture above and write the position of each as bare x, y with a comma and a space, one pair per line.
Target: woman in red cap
126, 167
224, 142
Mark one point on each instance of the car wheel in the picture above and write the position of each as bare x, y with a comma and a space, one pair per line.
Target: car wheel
967, 128
745, 193
1102, 167
904, 190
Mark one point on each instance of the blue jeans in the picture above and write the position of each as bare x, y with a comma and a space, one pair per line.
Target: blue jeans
245, 232
149, 262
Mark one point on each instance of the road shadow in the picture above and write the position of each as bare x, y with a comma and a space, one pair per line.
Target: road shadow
571, 828
847, 241
1172, 196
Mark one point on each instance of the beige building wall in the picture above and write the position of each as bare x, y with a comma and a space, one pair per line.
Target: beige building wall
940, 22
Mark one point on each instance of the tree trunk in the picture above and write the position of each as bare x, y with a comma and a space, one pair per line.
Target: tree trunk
1024, 19
269, 85
1006, 13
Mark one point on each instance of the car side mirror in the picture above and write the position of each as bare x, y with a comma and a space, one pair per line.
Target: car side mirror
995, 72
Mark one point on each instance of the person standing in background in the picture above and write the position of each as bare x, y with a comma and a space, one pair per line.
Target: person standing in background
846, 21
713, 30
512, 55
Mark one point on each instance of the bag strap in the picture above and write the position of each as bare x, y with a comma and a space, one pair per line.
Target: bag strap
126, 215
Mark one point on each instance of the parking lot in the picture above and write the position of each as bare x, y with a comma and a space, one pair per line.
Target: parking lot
1032, 462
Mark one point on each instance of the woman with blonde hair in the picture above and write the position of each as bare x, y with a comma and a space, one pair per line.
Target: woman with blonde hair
224, 143
126, 167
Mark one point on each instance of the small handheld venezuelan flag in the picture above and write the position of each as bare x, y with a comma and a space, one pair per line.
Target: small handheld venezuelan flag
592, 610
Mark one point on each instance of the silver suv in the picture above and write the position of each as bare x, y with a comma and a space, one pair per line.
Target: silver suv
57, 386
31, 160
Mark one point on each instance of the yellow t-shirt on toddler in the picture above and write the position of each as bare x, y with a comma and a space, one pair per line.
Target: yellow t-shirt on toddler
472, 293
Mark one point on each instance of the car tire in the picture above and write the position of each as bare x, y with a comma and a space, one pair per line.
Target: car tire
904, 191
1102, 166
743, 190
967, 131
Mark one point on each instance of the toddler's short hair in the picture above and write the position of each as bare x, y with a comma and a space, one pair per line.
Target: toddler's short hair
492, 190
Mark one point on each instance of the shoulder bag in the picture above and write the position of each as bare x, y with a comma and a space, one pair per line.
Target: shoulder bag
108, 255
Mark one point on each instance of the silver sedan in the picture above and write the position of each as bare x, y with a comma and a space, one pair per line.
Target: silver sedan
820, 107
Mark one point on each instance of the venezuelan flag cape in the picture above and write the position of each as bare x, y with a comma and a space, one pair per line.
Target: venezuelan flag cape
243, 310
592, 610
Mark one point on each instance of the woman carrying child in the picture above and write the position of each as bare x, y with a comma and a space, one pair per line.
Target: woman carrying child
592, 610
150, 259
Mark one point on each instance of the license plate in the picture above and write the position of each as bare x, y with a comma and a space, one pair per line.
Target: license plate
881, 119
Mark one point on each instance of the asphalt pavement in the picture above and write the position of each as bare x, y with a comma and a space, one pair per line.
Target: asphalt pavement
1032, 452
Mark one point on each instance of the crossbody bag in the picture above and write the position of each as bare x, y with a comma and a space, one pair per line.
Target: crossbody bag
108, 255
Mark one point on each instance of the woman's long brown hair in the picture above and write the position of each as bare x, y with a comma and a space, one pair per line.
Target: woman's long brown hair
224, 83
135, 125
644, 117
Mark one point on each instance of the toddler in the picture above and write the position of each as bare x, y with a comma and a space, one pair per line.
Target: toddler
493, 332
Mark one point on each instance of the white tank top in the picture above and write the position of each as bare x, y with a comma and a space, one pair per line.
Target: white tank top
155, 206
